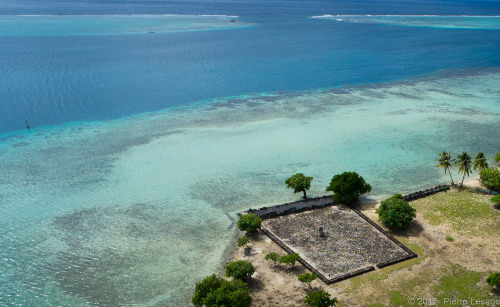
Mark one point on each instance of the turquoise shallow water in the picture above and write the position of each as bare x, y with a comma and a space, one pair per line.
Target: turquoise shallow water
135, 210
83, 25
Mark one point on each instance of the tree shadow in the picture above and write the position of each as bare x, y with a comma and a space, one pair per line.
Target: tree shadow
297, 269
255, 284
364, 205
496, 290
414, 229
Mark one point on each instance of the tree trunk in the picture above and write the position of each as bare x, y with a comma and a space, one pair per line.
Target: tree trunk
452, 183
305, 197
462, 180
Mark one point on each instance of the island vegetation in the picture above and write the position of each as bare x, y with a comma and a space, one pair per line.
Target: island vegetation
464, 219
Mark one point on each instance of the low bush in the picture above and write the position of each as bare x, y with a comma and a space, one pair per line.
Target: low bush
289, 259
272, 256
395, 212
490, 177
494, 280
243, 240
249, 223
239, 269
319, 298
496, 200
307, 278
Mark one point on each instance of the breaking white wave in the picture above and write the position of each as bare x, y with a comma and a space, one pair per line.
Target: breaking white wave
428, 21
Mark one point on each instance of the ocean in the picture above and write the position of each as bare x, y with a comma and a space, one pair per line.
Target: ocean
152, 123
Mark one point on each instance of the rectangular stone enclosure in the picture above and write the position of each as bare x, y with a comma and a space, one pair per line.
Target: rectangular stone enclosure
351, 243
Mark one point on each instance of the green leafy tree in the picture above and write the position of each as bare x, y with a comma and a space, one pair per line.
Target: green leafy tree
497, 157
480, 162
272, 256
347, 187
494, 280
249, 223
395, 212
230, 293
299, 183
243, 240
307, 278
496, 200
446, 162
464, 164
205, 287
319, 298
289, 259
239, 269
490, 177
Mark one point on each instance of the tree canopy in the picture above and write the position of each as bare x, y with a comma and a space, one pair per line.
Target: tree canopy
395, 212
239, 269
480, 162
299, 183
446, 162
319, 298
249, 222
497, 157
347, 187
272, 256
214, 291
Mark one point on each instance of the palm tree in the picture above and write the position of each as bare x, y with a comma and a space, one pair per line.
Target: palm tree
480, 162
446, 163
464, 165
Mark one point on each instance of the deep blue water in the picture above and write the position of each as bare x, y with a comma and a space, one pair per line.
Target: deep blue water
51, 80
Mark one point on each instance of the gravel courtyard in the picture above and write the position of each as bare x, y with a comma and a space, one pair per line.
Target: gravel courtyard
350, 244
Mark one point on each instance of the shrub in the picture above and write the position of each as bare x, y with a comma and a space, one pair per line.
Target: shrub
490, 177
249, 223
497, 157
347, 187
395, 213
243, 240
494, 279
289, 259
307, 278
319, 298
239, 269
496, 200
230, 293
449, 239
272, 256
